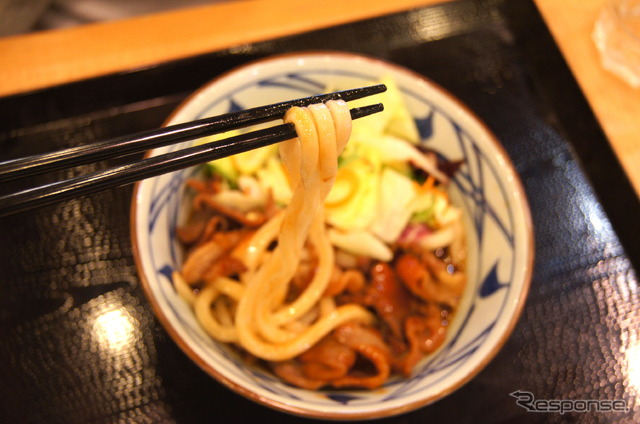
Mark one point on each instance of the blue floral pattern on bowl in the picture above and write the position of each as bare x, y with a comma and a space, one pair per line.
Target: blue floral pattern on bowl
486, 188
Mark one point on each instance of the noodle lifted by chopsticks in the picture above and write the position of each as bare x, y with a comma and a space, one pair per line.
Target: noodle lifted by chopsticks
255, 314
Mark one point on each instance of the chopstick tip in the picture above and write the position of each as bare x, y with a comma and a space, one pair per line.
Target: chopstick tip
361, 112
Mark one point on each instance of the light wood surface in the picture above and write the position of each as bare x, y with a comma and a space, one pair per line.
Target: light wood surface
614, 102
53, 57
44, 59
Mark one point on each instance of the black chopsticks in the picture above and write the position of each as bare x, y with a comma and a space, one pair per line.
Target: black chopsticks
157, 165
168, 135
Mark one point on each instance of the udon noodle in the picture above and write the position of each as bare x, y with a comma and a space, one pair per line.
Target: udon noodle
268, 277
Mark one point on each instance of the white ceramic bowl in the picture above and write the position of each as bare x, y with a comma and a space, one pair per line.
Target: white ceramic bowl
498, 225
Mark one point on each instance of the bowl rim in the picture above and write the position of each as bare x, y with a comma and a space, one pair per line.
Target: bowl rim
314, 413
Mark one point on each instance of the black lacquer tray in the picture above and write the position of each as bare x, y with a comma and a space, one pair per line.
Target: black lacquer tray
67, 272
